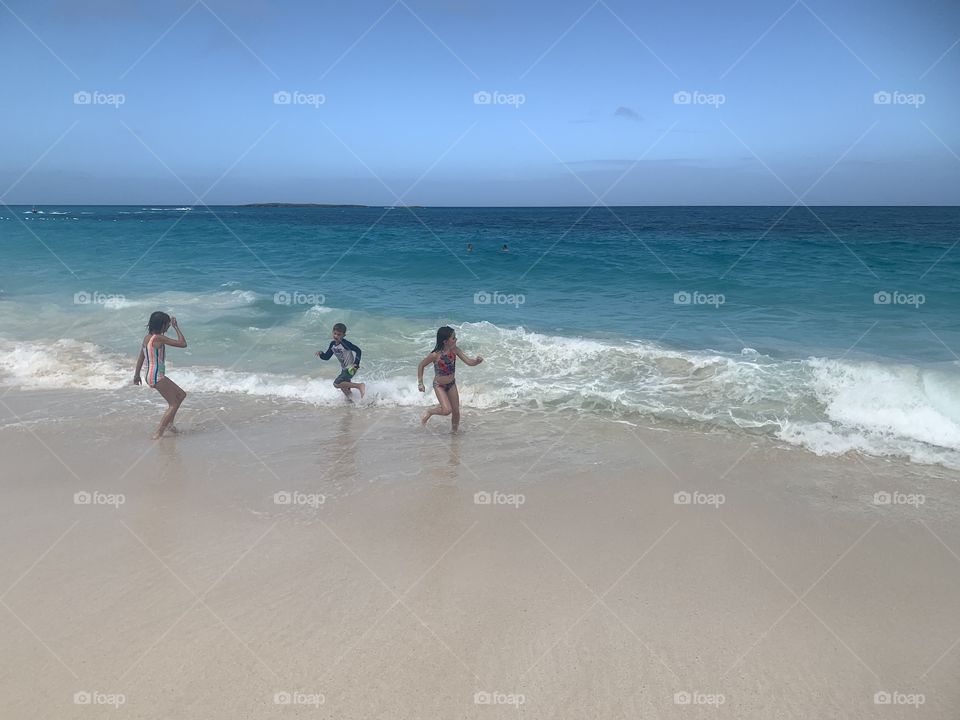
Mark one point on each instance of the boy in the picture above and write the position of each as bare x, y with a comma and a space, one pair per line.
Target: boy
349, 356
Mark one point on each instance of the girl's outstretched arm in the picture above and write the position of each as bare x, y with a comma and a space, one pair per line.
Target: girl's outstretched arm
423, 363
136, 373
475, 361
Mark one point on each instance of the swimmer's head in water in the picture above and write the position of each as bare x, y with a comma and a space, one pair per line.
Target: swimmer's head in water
443, 334
159, 322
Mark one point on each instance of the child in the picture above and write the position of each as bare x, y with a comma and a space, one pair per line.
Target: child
153, 351
349, 356
444, 359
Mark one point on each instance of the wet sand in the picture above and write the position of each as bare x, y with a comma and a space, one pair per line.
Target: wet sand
357, 566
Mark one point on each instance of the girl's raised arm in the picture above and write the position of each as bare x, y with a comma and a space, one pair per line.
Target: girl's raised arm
180, 342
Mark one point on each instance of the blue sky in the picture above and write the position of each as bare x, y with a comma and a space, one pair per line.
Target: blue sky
782, 98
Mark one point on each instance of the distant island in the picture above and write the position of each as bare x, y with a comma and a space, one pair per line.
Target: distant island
299, 205
317, 205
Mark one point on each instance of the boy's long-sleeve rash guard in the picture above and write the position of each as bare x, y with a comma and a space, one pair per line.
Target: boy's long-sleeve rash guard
347, 353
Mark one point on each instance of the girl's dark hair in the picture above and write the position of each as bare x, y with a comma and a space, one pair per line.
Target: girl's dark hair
158, 321
443, 334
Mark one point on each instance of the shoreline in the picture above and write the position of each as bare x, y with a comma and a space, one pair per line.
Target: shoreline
402, 594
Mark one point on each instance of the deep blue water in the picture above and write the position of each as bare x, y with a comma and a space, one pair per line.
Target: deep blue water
803, 285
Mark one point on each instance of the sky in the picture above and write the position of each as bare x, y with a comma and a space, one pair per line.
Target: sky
470, 103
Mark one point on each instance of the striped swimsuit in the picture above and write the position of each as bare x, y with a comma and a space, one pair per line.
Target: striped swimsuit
154, 354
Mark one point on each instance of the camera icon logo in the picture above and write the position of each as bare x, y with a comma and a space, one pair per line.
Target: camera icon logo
282, 298
482, 97
681, 698
82, 697
282, 698
882, 498
882, 698
682, 298
882, 298
284, 497
682, 97
82, 498
81, 298
682, 498
482, 298
882, 97
282, 97
482, 498
82, 98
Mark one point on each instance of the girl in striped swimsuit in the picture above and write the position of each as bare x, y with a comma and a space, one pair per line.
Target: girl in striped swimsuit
152, 355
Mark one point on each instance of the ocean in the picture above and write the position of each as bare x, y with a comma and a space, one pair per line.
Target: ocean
833, 328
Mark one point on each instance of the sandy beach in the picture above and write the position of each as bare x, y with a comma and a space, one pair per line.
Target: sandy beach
684, 274
347, 564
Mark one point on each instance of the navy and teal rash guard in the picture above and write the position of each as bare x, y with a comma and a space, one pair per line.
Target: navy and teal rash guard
347, 353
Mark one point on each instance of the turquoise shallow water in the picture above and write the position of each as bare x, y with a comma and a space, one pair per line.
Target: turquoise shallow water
835, 328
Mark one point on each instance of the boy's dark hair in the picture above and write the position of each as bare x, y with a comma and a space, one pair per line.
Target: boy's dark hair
158, 321
341, 327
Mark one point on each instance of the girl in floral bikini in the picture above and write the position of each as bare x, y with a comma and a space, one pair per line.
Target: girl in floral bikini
444, 359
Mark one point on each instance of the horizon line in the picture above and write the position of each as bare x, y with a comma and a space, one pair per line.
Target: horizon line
360, 206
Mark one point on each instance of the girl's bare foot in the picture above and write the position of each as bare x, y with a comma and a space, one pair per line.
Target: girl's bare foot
424, 418
363, 389
157, 435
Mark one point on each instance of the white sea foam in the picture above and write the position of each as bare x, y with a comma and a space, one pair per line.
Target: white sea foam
827, 406
60, 364
898, 410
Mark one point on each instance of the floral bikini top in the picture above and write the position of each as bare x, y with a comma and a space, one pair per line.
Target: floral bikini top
445, 364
